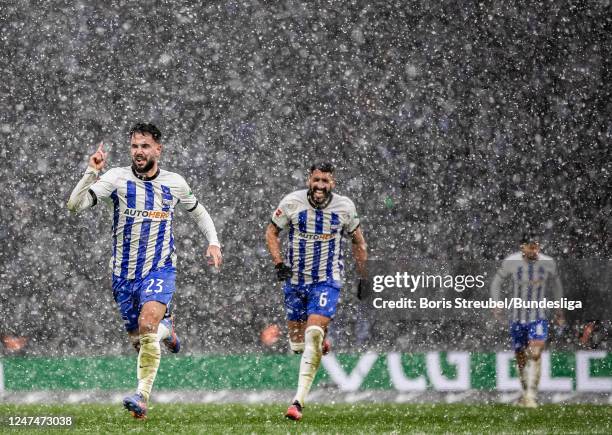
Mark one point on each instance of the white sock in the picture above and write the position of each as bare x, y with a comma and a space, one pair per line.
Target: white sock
533, 369
148, 363
313, 351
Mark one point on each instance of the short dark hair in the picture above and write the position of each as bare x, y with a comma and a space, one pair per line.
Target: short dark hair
146, 128
323, 167
529, 237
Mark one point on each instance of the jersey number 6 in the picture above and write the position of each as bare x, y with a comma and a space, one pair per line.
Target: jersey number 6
323, 299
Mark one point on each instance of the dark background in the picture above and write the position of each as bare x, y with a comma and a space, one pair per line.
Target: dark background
454, 126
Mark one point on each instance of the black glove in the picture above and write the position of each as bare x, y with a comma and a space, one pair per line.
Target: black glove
283, 272
362, 292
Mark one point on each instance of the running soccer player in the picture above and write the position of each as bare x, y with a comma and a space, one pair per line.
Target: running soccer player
532, 275
143, 198
313, 269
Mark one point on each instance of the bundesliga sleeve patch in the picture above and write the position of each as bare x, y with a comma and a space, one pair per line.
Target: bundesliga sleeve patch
278, 212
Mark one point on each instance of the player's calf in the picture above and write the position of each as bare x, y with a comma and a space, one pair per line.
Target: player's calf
310, 361
326, 348
169, 337
533, 370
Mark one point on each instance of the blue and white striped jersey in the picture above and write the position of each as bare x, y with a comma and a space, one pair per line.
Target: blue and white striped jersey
143, 212
530, 281
315, 236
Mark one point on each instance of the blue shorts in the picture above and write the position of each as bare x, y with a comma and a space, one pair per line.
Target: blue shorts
303, 300
132, 294
523, 333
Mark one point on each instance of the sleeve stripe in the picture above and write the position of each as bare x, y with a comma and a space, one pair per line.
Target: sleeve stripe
94, 198
194, 207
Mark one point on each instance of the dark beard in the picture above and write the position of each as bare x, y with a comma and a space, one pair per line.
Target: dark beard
321, 204
146, 168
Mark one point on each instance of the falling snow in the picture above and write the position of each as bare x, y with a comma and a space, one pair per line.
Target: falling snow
453, 128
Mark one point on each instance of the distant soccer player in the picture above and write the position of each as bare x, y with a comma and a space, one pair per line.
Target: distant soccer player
533, 275
317, 220
143, 198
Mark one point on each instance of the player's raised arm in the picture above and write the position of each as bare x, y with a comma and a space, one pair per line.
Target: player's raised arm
82, 196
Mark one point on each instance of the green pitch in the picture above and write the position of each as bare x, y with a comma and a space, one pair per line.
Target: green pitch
362, 418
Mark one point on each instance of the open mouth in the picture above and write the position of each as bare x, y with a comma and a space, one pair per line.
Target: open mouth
319, 194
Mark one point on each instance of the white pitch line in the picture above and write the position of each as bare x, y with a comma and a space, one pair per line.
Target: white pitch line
456, 397
356, 397
561, 397
509, 397
406, 397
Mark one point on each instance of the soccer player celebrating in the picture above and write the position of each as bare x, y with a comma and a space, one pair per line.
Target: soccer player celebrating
532, 275
313, 270
143, 198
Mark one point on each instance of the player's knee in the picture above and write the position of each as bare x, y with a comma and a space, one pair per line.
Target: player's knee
314, 337
534, 352
147, 325
296, 347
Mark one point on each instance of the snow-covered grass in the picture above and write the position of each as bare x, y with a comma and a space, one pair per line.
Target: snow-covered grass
362, 418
